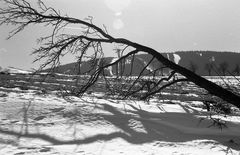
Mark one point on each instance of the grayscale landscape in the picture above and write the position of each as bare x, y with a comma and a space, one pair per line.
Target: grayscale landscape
118, 89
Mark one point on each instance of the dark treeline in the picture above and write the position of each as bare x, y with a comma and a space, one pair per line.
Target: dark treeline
203, 63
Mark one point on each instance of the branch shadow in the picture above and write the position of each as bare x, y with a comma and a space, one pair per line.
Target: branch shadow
156, 128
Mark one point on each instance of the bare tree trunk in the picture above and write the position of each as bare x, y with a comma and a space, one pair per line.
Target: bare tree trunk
200, 81
211, 87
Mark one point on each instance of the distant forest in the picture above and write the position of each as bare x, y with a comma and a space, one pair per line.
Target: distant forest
205, 63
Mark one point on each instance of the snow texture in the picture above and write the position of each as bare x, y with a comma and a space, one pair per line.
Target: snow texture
32, 122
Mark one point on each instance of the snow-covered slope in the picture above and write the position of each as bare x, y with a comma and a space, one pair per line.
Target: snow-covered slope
15, 70
35, 123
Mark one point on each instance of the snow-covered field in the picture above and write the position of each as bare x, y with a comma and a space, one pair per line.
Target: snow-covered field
36, 122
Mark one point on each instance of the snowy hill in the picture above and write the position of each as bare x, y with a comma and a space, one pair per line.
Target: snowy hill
197, 60
14, 70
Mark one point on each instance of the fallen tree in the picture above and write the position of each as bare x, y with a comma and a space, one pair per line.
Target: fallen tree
21, 13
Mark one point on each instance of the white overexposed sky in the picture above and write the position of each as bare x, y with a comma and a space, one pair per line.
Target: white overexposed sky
165, 25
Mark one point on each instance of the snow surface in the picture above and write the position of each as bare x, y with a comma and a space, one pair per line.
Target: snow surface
16, 70
35, 123
176, 58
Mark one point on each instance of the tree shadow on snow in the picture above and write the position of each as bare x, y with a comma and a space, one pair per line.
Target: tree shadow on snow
138, 126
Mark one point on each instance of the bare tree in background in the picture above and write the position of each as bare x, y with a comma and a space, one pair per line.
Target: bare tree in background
209, 68
223, 67
193, 67
236, 70
22, 14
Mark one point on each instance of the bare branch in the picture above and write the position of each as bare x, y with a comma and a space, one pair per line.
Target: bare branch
140, 74
22, 14
163, 87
